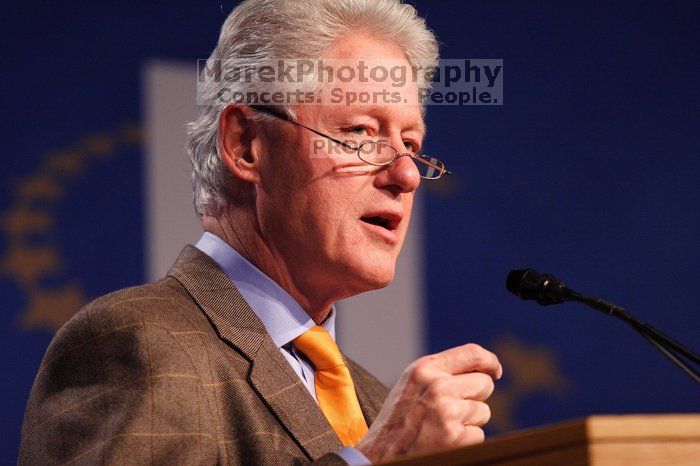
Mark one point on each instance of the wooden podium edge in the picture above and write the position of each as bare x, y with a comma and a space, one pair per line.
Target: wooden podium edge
568, 435
632, 427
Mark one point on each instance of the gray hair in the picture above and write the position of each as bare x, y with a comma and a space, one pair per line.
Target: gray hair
264, 30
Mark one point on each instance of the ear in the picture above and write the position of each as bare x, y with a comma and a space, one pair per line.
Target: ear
237, 130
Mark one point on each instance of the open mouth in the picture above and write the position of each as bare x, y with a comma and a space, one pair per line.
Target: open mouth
384, 222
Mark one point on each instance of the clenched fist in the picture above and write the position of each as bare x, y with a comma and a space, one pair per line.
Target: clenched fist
438, 402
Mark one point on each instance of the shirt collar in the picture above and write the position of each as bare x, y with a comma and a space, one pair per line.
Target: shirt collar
282, 316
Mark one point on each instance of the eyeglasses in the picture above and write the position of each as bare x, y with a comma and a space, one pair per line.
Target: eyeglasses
377, 153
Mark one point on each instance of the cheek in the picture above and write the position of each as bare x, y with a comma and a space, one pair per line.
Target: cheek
336, 210
408, 206
331, 215
286, 190
316, 215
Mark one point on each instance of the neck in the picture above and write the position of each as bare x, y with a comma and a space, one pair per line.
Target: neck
238, 229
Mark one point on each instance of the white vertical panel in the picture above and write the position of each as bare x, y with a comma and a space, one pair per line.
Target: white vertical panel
171, 222
382, 330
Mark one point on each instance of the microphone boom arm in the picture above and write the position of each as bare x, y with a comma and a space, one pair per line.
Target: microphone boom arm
528, 284
667, 345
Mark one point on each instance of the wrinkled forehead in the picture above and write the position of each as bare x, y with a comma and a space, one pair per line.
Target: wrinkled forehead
385, 88
363, 63
366, 80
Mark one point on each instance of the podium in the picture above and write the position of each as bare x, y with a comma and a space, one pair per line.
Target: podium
664, 439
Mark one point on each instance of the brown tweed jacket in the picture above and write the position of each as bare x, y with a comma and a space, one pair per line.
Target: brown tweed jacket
180, 371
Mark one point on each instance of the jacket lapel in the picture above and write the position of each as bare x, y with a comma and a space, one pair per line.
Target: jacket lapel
270, 374
370, 402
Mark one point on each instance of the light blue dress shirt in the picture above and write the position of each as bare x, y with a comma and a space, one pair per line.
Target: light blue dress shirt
282, 316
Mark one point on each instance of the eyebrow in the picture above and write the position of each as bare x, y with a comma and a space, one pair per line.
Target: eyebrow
422, 128
384, 113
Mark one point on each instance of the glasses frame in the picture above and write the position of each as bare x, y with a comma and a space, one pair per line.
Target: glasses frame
416, 157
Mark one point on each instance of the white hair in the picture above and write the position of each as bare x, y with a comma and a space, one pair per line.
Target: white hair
263, 30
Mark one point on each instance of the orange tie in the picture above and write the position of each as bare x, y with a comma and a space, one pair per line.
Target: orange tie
335, 391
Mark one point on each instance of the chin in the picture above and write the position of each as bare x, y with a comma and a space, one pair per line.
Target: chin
377, 276
365, 268
384, 280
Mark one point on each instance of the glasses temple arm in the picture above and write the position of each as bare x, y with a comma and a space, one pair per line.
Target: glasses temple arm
263, 109
330, 138
430, 164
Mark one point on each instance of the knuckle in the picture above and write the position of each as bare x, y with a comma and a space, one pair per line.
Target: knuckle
447, 411
480, 386
474, 435
480, 415
487, 414
487, 387
470, 411
476, 353
419, 371
496, 360
438, 387
477, 348
474, 349
482, 357
453, 434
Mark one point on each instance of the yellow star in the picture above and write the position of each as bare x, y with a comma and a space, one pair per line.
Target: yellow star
29, 264
49, 309
528, 370
39, 187
99, 144
65, 163
22, 220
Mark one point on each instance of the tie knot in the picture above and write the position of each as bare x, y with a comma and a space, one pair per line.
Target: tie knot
318, 345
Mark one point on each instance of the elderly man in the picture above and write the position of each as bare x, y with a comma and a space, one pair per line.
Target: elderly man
231, 358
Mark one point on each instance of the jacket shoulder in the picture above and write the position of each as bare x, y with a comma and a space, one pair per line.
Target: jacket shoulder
126, 362
144, 303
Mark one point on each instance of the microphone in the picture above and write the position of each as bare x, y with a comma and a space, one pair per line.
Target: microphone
528, 284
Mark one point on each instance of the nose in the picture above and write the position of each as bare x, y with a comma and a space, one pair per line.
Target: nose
402, 175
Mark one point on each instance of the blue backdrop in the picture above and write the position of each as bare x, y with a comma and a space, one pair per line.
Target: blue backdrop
590, 170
